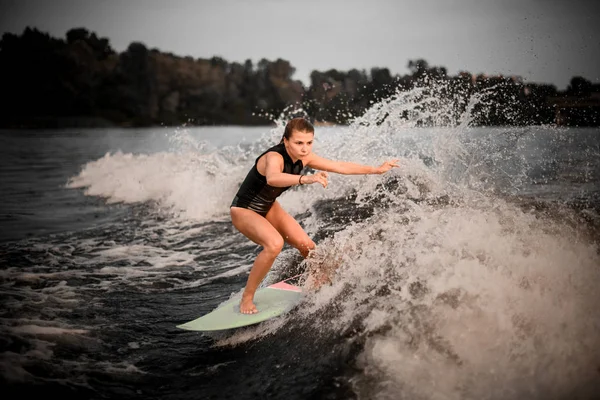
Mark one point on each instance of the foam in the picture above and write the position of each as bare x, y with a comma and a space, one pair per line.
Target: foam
482, 301
30, 329
180, 183
453, 290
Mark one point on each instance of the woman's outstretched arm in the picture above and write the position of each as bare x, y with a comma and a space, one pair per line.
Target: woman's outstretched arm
348, 168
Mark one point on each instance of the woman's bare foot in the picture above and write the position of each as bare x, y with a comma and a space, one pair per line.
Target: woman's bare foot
247, 306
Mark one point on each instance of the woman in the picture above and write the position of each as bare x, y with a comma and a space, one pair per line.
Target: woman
255, 211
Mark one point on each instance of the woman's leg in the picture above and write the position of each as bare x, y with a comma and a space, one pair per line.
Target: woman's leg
295, 236
290, 229
261, 232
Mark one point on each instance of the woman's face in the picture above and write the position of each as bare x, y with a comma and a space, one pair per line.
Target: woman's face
299, 145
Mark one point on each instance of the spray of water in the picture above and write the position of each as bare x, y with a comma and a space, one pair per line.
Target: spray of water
455, 292
453, 289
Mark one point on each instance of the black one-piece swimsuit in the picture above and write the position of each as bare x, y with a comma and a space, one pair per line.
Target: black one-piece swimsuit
255, 194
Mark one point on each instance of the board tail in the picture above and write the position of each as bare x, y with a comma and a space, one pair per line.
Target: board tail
285, 286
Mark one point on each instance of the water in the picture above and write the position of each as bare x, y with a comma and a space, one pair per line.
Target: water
471, 272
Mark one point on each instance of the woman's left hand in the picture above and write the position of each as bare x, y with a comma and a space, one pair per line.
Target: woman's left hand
386, 166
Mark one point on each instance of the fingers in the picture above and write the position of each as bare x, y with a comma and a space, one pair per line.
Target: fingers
321, 177
323, 180
392, 163
388, 165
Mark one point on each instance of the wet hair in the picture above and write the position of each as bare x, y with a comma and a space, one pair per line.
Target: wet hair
297, 124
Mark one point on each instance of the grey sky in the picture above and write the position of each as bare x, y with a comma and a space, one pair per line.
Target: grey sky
541, 40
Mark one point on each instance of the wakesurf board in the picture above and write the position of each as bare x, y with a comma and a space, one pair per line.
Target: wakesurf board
271, 301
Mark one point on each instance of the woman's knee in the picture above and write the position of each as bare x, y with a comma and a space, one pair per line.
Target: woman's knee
274, 245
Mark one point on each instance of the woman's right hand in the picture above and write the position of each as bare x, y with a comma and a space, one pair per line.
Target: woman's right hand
319, 177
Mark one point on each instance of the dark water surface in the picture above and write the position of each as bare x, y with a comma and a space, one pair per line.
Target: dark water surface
469, 273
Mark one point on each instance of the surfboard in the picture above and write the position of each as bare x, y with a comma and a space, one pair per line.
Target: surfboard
271, 301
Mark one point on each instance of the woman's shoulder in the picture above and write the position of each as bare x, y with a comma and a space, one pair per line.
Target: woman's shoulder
270, 155
273, 149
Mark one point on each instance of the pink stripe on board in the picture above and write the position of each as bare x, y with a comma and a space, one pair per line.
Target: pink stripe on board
285, 286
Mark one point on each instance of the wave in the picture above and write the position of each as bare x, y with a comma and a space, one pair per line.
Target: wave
451, 283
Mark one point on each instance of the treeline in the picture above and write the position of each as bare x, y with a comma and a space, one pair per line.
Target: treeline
81, 80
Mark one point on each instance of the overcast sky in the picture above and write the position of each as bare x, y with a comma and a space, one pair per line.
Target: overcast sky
541, 40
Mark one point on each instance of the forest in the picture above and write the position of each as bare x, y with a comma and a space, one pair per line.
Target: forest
80, 80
